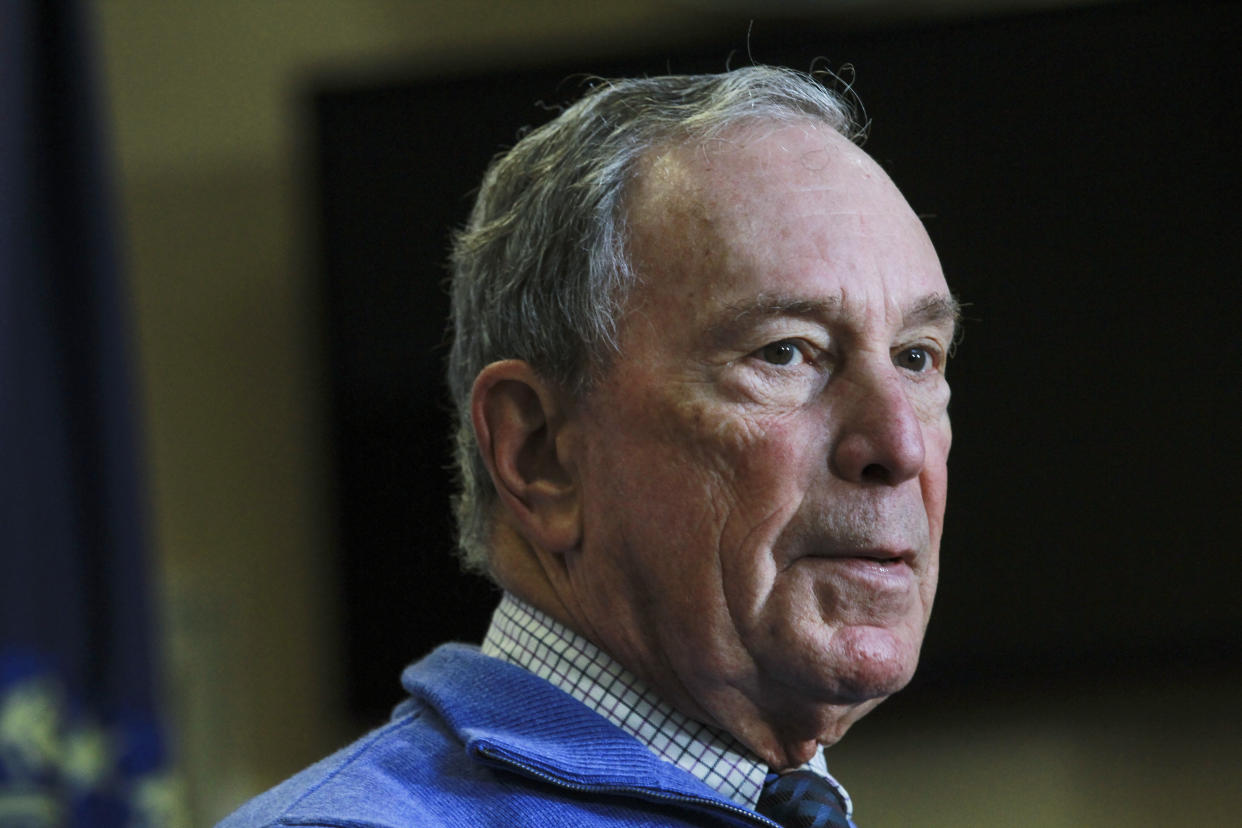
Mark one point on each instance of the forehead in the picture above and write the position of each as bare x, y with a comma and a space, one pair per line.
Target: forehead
791, 209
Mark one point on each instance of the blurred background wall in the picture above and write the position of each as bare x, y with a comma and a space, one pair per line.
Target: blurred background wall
210, 113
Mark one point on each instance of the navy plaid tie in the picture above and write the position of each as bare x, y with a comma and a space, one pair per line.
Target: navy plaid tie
802, 799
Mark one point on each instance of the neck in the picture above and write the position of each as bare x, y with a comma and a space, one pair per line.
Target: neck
538, 578
783, 731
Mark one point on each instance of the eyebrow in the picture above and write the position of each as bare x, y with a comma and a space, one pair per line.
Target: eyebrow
933, 309
738, 316
938, 308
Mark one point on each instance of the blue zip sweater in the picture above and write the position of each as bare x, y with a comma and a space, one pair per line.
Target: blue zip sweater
481, 742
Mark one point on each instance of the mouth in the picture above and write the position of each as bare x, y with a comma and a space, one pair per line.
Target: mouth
878, 572
883, 557
877, 564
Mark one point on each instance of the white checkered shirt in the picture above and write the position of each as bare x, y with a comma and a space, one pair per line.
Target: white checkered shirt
524, 636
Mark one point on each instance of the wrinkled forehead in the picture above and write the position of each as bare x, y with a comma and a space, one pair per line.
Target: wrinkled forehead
702, 170
770, 203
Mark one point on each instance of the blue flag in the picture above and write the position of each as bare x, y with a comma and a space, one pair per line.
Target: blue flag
80, 743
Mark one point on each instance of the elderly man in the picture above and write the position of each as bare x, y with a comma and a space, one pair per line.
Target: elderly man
699, 368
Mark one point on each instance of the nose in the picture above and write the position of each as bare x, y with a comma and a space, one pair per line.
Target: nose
879, 435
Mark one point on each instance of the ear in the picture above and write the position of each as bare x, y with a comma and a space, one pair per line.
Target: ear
520, 424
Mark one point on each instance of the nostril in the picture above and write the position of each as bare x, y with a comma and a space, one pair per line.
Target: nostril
875, 473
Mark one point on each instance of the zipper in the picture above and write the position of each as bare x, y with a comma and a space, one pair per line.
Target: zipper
502, 758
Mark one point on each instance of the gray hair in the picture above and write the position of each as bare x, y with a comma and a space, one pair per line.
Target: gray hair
541, 271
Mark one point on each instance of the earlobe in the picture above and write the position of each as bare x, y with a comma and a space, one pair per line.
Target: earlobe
519, 422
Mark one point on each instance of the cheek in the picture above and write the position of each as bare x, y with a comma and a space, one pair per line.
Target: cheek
662, 472
935, 486
931, 403
700, 473
763, 465
715, 434
772, 474
935, 478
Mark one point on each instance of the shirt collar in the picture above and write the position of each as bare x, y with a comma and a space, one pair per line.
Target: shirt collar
529, 638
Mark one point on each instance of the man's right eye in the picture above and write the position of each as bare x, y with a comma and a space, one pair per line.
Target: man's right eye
784, 352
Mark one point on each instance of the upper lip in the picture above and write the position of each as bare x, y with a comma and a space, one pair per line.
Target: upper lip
870, 553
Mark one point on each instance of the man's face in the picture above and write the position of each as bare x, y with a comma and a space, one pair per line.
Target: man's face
763, 468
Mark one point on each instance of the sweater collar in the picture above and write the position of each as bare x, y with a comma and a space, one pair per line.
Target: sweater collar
505, 715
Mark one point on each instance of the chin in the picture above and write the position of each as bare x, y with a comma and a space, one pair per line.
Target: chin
872, 662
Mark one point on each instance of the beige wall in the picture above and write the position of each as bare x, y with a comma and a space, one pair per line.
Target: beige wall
205, 112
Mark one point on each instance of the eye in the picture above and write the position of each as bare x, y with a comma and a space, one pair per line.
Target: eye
916, 359
784, 352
